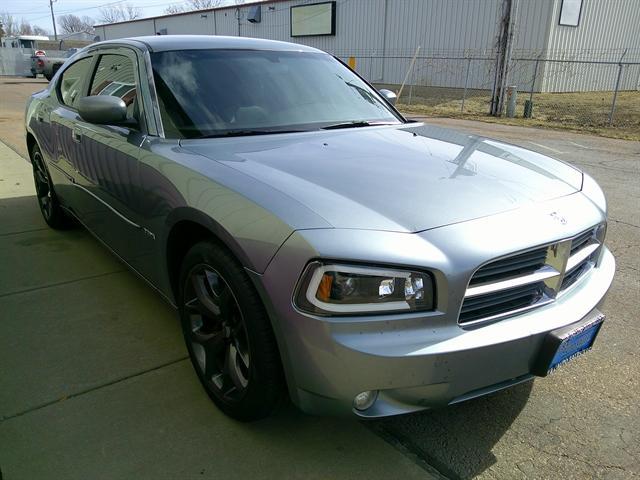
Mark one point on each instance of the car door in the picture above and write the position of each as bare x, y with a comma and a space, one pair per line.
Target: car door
107, 157
63, 118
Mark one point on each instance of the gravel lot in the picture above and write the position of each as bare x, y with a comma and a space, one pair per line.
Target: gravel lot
583, 421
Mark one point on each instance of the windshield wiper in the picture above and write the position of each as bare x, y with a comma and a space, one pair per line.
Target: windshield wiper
355, 124
246, 133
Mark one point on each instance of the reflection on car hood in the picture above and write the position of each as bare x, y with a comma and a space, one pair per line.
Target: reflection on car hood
401, 178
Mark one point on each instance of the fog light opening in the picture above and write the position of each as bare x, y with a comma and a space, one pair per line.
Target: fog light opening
364, 400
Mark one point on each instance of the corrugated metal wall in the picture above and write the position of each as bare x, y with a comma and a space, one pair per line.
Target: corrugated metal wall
135, 28
359, 25
384, 34
193, 23
461, 28
606, 29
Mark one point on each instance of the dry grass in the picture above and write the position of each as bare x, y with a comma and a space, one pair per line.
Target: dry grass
579, 112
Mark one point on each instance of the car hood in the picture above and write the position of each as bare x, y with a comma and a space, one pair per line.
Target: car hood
399, 178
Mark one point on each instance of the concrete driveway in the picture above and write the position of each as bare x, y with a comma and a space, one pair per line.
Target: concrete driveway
94, 381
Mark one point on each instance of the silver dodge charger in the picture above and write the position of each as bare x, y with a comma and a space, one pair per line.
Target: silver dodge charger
311, 238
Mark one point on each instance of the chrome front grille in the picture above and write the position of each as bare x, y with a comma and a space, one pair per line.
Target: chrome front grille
580, 241
529, 279
520, 264
571, 276
499, 303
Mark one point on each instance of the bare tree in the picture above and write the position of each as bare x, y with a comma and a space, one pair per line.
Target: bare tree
9, 24
72, 23
191, 5
175, 8
119, 13
204, 4
25, 28
131, 12
39, 30
109, 14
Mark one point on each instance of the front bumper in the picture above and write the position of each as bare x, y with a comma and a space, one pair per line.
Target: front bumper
415, 361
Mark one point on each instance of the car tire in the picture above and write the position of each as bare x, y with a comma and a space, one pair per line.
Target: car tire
48, 202
228, 334
48, 77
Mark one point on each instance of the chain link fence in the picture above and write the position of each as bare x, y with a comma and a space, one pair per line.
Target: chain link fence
578, 93
15, 62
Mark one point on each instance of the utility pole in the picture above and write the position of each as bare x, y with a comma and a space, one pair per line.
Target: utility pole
53, 20
503, 60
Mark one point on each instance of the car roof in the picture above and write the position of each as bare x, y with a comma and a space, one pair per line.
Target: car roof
163, 43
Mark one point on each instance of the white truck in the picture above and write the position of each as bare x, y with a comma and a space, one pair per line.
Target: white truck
24, 46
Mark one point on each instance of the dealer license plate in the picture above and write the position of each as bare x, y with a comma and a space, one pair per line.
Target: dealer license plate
575, 344
562, 345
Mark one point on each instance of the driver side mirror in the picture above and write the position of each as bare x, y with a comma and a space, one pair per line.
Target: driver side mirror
388, 95
104, 110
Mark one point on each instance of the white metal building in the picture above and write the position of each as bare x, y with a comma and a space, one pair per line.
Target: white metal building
382, 35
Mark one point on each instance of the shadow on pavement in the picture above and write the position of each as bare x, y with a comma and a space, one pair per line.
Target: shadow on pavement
115, 392
19, 214
457, 440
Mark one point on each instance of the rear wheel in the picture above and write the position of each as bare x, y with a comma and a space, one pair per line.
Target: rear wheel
228, 334
47, 200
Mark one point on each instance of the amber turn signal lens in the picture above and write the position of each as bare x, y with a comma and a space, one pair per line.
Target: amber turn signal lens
324, 289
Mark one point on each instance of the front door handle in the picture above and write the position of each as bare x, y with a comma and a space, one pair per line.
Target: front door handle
76, 135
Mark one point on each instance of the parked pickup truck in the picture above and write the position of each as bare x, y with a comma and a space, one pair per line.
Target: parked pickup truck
48, 66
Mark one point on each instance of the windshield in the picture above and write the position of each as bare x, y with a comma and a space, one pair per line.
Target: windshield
213, 92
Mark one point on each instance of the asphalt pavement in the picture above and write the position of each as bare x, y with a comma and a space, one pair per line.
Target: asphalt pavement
584, 420
94, 380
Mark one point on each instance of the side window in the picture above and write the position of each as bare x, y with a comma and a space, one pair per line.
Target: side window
115, 76
72, 80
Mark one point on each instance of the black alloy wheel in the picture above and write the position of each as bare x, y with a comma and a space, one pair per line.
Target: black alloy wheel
47, 201
217, 333
228, 334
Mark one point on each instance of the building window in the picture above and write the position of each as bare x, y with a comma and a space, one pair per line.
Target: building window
570, 13
313, 19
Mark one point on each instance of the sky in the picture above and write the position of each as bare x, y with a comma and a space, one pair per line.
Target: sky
37, 12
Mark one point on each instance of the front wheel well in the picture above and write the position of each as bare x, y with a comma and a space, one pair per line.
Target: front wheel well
184, 235
31, 142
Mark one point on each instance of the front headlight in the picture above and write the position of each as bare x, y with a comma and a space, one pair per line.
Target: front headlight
335, 289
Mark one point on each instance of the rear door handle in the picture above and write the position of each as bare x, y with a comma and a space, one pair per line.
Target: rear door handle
76, 135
